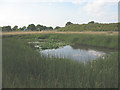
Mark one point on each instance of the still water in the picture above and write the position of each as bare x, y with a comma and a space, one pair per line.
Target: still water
69, 52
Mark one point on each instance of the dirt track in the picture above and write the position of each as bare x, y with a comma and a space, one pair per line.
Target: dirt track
47, 32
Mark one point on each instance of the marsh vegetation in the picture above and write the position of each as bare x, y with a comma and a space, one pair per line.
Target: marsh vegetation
24, 67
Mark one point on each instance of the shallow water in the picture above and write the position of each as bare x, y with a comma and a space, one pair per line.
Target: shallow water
74, 54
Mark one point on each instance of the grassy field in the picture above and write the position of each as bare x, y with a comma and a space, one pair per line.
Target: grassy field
24, 67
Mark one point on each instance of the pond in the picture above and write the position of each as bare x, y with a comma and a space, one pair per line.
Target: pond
69, 52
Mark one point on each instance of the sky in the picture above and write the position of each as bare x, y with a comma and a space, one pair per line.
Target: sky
57, 12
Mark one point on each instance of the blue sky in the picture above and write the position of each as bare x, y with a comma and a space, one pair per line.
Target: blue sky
57, 12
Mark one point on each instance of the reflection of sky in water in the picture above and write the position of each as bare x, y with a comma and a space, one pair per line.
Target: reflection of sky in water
75, 54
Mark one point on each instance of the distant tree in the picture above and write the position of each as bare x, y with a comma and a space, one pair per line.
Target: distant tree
50, 28
20, 29
31, 27
24, 27
44, 28
92, 22
6, 28
68, 23
57, 27
15, 28
39, 27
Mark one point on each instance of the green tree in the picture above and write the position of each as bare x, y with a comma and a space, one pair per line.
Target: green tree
92, 22
68, 23
24, 27
20, 29
31, 27
39, 27
44, 28
6, 28
57, 27
50, 28
15, 28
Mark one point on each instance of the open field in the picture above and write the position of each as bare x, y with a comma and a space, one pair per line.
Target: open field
55, 32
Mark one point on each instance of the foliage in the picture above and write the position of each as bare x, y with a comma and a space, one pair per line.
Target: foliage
57, 27
92, 22
47, 28
6, 28
68, 23
15, 28
31, 27
38, 27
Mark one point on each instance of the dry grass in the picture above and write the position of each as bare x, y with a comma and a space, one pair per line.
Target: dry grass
68, 32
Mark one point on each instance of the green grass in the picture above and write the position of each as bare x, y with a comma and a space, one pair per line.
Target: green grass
99, 40
24, 67
90, 27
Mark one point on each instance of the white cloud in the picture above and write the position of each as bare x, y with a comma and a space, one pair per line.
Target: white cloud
95, 8
100, 10
92, 1
78, 1
98, 7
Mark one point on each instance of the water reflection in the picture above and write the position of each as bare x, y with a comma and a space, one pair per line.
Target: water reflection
75, 54
95, 48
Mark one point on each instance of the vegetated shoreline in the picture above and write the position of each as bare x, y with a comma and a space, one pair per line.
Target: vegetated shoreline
83, 39
23, 67
60, 32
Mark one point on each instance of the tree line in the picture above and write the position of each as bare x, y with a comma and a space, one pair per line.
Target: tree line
30, 27
69, 26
